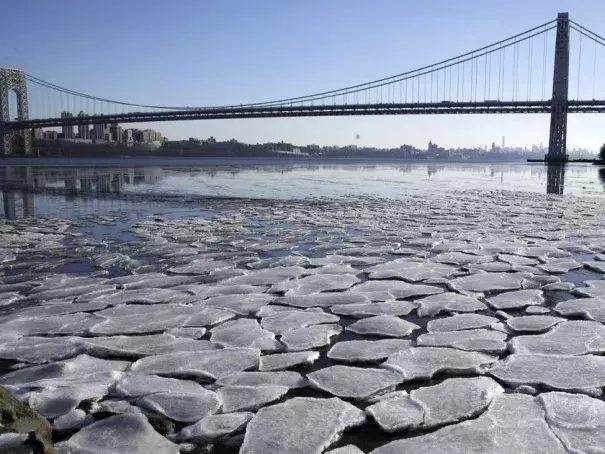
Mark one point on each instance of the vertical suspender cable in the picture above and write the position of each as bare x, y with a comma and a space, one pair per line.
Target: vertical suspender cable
579, 67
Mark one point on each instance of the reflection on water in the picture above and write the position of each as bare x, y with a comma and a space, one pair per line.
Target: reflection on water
58, 190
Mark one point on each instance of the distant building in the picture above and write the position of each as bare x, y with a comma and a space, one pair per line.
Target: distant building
116, 133
83, 130
37, 133
148, 135
127, 138
101, 133
67, 131
50, 135
432, 149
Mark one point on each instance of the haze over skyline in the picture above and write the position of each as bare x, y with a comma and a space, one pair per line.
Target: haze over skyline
230, 52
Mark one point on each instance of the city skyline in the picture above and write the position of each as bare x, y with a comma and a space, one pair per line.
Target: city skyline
250, 64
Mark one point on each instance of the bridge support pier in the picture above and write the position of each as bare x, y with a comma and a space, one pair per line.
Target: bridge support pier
14, 141
557, 145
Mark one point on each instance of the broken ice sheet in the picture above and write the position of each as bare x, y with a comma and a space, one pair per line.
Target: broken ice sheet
481, 340
489, 282
300, 425
323, 300
367, 350
205, 364
309, 337
282, 378
424, 362
182, 406
354, 382
409, 270
244, 332
453, 400
240, 398
534, 323
135, 385
589, 308
281, 361
243, 304
460, 322
215, 427
516, 300
395, 308
585, 374
388, 290
513, 423
383, 325
121, 433
566, 338
448, 302
314, 284
285, 321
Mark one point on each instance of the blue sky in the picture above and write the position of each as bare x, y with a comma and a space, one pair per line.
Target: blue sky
203, 52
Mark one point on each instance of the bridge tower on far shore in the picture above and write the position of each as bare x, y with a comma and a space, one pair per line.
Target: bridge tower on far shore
557, 145
13, 141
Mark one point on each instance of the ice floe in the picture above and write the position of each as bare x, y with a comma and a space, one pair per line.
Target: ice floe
481, 340
281, 361
383, 325
461, 322
367, 350
354, 382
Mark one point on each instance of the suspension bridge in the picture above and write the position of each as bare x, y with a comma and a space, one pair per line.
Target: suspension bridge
511, 76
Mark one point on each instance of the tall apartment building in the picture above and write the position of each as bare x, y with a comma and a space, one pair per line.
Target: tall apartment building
68, 131
83, 130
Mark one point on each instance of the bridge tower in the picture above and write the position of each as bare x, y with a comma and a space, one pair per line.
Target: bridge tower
557, 145
12, 141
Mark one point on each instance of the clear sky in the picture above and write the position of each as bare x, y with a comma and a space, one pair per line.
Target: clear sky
213, 52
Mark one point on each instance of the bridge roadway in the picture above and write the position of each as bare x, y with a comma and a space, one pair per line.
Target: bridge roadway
216, 113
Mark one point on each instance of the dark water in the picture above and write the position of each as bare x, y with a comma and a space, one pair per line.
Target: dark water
69, 188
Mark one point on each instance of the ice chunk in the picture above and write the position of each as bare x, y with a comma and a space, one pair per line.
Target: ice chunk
208, 317
354, 382
584, 374
187, 333
215, 427
490, 267
451, 401
590, 308
285, 378
513, 423
567, 338
481, 340
52, 402
516, 300
578, 421
367, 350
266, 276
593, 289
185, 407
517, 260
280, 361
388, 290
212, 363
395, 308
348, 449
201, 266
424, 362
448, 302
461, 258
244, 333
489, 282
136, 385
323, 300
334, 268
537, 310
122, 433
460, 322
383, 325
244, 304
33, 326
300, 425
240, 398
533, 322
315, 284
42, 349
560, 266
137, 346
75, 419
313, 336
143, 296
283, 322
410, 270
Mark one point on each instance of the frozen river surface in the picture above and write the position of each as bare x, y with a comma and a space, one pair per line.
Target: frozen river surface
306, 309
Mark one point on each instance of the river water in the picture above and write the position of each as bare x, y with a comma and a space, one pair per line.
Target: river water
340, 274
